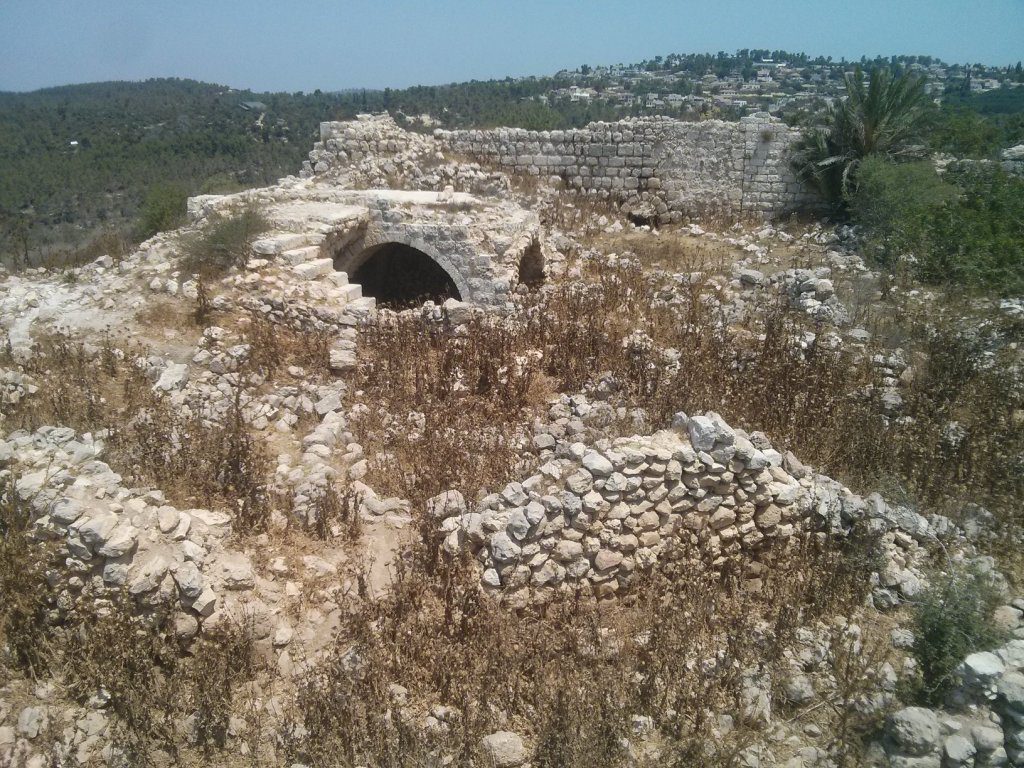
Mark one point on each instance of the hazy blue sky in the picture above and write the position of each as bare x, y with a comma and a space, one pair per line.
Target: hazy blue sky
306, 44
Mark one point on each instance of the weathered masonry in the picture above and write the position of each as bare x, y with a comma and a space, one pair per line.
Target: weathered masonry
398, 247
653, 166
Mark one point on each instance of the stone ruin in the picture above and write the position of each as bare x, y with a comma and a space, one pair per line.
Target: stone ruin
388, 214
593, 515
657, 168
396, 245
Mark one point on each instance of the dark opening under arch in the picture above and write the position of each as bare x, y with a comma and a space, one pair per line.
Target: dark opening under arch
400, 276
531, 266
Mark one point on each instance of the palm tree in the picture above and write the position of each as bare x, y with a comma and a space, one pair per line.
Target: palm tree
881, 117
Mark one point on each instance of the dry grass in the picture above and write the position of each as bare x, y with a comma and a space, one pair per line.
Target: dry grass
27, 596
617, 325
192, 457
570, 674
442, 410
672, 250
164, 313
275, 347
106, 241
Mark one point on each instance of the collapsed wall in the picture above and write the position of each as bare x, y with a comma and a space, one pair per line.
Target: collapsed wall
654, 166
593, 516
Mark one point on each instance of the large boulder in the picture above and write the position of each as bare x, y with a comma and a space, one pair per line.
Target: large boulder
1011, 690
981, 668
914, 731
446, 504
597, 465
504, 749
173, 378
958, 751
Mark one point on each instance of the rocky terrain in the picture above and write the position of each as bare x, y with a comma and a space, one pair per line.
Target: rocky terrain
629, 496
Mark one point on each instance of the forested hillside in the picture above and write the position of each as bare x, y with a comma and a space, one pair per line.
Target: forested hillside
78, 162
78, 159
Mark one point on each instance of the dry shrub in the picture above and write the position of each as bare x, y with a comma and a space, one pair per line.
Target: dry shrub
155, 690
958, 381
570, 673
190, 456
194, 458
441, 407
751, 370
27, 596
128, 658
334, 512
224, 242
275, 346
855, 663
576, 212
204, 303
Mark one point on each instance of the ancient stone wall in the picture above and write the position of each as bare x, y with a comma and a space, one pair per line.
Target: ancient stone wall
654, 166
592, 517
681, 168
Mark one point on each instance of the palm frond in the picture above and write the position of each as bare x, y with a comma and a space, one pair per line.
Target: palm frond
880, 115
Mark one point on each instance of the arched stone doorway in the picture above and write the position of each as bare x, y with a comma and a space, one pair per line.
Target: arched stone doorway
399, 276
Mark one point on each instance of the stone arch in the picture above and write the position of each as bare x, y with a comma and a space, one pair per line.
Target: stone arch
403, 249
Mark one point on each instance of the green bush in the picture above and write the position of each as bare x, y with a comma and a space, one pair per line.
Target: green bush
964, 229
224, 183
224, 242
963, 132
163, 208
892, 201
978, 239
952, 619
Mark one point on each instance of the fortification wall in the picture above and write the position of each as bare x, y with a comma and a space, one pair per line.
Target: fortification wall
653, 166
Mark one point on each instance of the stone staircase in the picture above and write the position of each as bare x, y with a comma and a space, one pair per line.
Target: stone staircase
300, 255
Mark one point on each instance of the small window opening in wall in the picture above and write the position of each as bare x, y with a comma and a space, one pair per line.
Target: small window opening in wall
531, 267
399, 276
